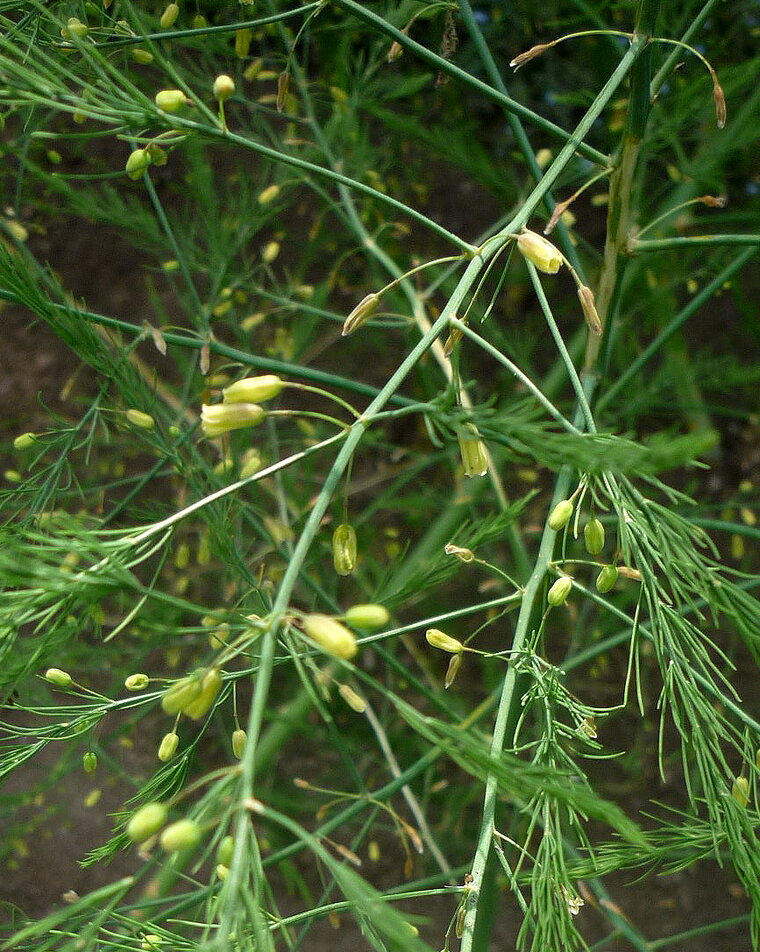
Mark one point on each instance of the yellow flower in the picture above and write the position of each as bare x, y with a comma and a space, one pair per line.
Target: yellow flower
540, 252
221, 417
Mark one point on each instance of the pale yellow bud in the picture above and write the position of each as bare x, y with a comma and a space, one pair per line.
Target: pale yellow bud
168, 746
182, 835
239, 737
270, 251
473, 451
224, 87
367, 616
253, 389
740, 791
269, 194
169, 16
221, 418
539, 252
344, 549
560, 515
559, 591
24, 441
137, 682
170, 100
211, 685
586, 297
139, 419
146, 822
354, 700
439, 639
330, 635
61, 679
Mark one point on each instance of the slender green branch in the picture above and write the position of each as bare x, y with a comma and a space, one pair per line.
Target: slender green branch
697, 241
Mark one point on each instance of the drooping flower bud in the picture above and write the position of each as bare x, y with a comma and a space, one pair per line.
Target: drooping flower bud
24, 441
90, 762
361, 313
270, 251
211, 685
146, 822
225, 851
137, 162
253, 389
593, 536
367, 616
473, 451
588, 303
74, 29
141, 56
137, 682
439, 639
557, 594
606, 579
355, 701
182, 835
169, 16
539, 252
251, 463
464, 555
344, 549
740, 791
221, 418
139, 419
455, 663
170, 100
168, 746
243, 40
269, 194
224, 87
61, 679
330, 635
182, 693
560, 515
239, 738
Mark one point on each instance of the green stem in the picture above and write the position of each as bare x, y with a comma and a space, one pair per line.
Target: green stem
659, 244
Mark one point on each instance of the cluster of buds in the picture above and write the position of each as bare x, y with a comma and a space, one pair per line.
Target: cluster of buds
150, 820
439, 639
140, 159
240, 407
193, 695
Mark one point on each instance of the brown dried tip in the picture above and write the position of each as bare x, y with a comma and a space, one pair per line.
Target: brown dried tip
396, 49
283, 85
720, 102
522, 58
586, 297
713, 201
559, 210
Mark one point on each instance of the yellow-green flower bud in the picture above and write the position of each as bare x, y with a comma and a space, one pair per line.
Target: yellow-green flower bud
473, 450
137, 162
330, 635
740, 791
539, 252
151, 943
168, 746
211, 685
269, 194
222, 871
367, 616
90, 762
182, 835
225, 851
61, 679
158, 156
142, 420
253, 389
606, 579
74, 28
137, 682
344, 549
223, 417
361, 313
243, 40
560, 515
559, 591
355, 701
169, 16
439, 639
224, 87
455, 663
181, 693
146, 822
239, 738
251, 463
24, 441
270, 251
464, 555
593, 536
170, 100
141, 56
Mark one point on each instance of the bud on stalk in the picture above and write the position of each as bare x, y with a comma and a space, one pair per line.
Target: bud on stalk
330, 635
344, 549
